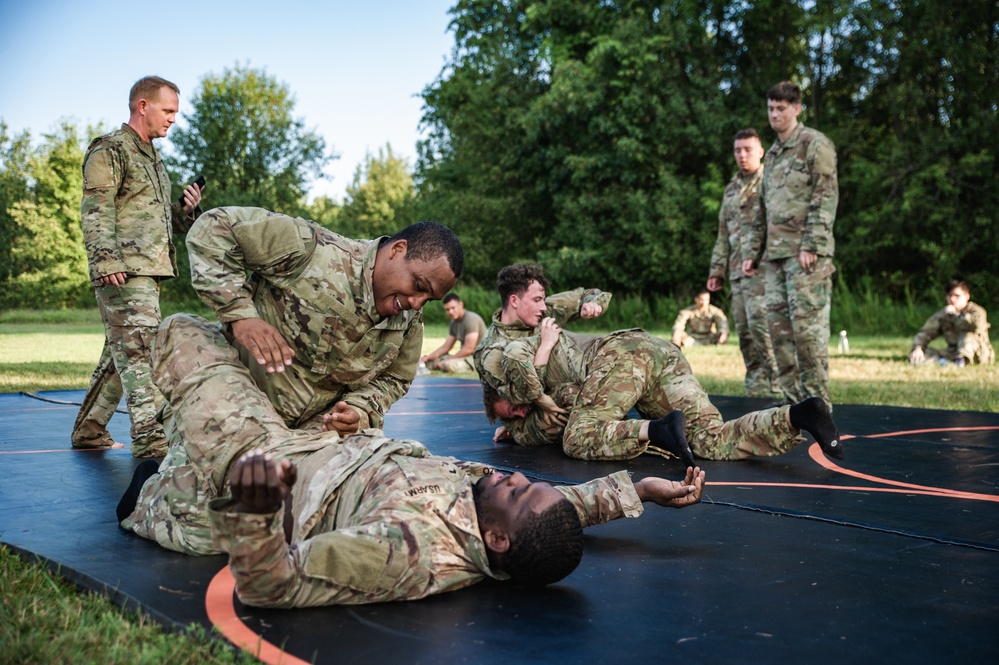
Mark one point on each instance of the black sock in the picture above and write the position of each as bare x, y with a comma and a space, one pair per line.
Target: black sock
813, 416
668, 433
143, 472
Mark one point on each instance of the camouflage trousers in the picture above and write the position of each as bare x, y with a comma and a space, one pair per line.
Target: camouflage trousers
452, 365
131, 314
797, 305
638, 370
699, 339
749, 317
214, 414
974, 348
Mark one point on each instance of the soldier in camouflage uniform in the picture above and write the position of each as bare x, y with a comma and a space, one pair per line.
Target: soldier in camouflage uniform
793, 236
522, 288
631, 368
738, 211
330, 328
371, 519
708, 324
965, 327
128, 217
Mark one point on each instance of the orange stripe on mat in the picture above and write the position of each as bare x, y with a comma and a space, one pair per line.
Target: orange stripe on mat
222, 614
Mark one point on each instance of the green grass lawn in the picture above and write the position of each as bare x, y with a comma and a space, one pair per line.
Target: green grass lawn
43, 619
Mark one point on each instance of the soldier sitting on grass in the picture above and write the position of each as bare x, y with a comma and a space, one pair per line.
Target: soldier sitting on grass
965, 327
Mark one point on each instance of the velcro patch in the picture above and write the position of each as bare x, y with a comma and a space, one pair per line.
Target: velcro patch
98, 172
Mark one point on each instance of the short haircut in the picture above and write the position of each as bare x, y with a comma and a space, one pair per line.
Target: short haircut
546, 546
957, 284
516, 279
785, 91
701, 292
489, 398
748, 133
426, 241
449, 297
148, 88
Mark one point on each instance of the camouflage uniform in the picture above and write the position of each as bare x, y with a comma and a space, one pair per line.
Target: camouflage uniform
562, 307
705, 327
315, 287
798, 198
966, 333
633, 369
738, 210
128, 217
374, 519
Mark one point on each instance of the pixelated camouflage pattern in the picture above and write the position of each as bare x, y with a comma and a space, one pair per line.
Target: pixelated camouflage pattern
798, 198
797, 304
127, 211
632, 369
740, 204
739, 207
131, 314
562, 307
705, 327
315, 287
375, 519
749, 315
966, 333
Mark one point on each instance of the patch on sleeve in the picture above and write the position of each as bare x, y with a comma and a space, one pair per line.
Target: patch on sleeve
357, 561
98, 172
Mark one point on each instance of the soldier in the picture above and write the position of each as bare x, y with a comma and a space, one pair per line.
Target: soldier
128, 217
631, 368
708, 324
371, 519
738, 210
522, 288
466, 329
793, 236
965, 327
330, 328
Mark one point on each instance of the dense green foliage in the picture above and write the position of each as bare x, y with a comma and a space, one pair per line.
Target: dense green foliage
595, 137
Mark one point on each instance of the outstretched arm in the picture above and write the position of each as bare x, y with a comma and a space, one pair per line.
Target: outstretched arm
673, 493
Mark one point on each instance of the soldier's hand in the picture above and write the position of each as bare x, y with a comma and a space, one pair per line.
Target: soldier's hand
917, 356
590, 310
116, 279
192, 197
807, 260
260, 484
715, 284
343, 419
502, 434
748, 269
672, 493
549, 332
264, 342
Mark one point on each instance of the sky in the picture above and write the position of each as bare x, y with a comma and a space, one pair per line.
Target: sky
355, 67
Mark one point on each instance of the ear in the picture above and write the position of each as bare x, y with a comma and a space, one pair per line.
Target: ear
399, 249
496, 540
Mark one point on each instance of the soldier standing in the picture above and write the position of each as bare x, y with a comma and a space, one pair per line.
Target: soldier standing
793, 237
738, 210
128, 218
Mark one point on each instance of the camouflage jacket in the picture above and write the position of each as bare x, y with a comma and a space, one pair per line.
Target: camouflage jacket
315, 287
560, 378
702, 324
396, 524
972, 320
563, 307
735, 219
798, 198
127, 212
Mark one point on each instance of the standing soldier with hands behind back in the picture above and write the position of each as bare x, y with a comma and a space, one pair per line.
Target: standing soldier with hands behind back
128, 218
793, 237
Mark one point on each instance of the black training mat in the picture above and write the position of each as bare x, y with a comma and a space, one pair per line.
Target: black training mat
891, 554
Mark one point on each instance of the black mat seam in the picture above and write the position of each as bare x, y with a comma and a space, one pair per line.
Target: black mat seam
857, 525
60, 401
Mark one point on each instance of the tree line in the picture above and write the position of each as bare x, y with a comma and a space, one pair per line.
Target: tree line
596, 138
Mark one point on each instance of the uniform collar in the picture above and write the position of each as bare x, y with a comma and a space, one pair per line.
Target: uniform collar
368, 273
792, 140
146, 149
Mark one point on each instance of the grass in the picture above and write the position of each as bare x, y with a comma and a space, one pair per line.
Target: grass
44, 620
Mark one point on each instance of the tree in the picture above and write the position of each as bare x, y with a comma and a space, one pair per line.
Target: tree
243, 138
380, 197
45, 261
